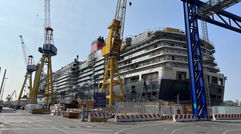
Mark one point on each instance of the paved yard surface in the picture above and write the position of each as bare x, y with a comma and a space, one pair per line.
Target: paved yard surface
21, 122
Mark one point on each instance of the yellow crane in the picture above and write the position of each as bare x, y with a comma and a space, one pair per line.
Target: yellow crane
28, 76
48, 50
112, 50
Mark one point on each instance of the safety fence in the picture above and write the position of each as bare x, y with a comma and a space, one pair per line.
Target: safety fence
226, 110
123, 108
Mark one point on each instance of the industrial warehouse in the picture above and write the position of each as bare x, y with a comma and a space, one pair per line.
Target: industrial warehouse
120, 79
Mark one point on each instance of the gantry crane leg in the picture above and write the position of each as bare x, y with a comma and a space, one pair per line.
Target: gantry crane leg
105, 76
119, 79
30, 85
47, 93
21, 91
51, 82
199, 105
111, 70
28, 75
36, 80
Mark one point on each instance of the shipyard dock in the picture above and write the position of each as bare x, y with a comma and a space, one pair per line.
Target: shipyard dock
147, 80
20, 122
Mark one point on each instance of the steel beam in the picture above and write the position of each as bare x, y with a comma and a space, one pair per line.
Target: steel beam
224, 19
214, 6
195, 59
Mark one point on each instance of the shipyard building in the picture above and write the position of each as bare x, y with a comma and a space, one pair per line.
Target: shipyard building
153, 68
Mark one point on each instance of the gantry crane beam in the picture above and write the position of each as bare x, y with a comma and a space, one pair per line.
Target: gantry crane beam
214, 6
191, 16
224, 19
218, 16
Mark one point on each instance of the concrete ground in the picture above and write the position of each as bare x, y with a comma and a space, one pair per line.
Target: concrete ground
21, 122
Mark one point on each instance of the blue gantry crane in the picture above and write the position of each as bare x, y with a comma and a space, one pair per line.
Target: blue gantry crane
212, 12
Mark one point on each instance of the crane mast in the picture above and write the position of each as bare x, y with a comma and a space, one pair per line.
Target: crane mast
47, 13
2, 84
23, 49
48, 35
111, 51
48, 50
10, 96
121, 15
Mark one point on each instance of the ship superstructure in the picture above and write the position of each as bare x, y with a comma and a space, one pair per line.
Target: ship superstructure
154, 67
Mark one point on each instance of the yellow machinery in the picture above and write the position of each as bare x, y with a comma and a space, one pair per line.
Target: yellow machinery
48, 50
28, 76
112, 50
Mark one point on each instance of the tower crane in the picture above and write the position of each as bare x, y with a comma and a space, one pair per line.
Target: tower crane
48, 50
2, 84
10, 96
112, 50
204, 30
30, 69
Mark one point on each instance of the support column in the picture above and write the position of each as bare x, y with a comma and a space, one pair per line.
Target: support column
37, 79
111, 80
119, 80
195, 60
30, 85
47, 93
21, 91
51, 82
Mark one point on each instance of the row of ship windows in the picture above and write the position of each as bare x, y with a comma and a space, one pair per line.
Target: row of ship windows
168, 51
154, 46
180, 38
154, 60
158, 53
166, 44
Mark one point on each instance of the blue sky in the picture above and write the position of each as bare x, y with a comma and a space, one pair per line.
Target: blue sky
77, 23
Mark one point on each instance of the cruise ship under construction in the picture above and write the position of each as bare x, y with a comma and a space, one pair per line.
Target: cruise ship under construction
153, 68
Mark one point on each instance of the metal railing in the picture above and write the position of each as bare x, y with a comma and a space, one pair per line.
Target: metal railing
226, 110
125, 108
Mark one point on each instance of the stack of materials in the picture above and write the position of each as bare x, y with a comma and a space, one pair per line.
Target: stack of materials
72, 113
34, 108
86, 104
57, 109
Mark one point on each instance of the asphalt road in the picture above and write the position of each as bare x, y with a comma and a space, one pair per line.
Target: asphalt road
25, 123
